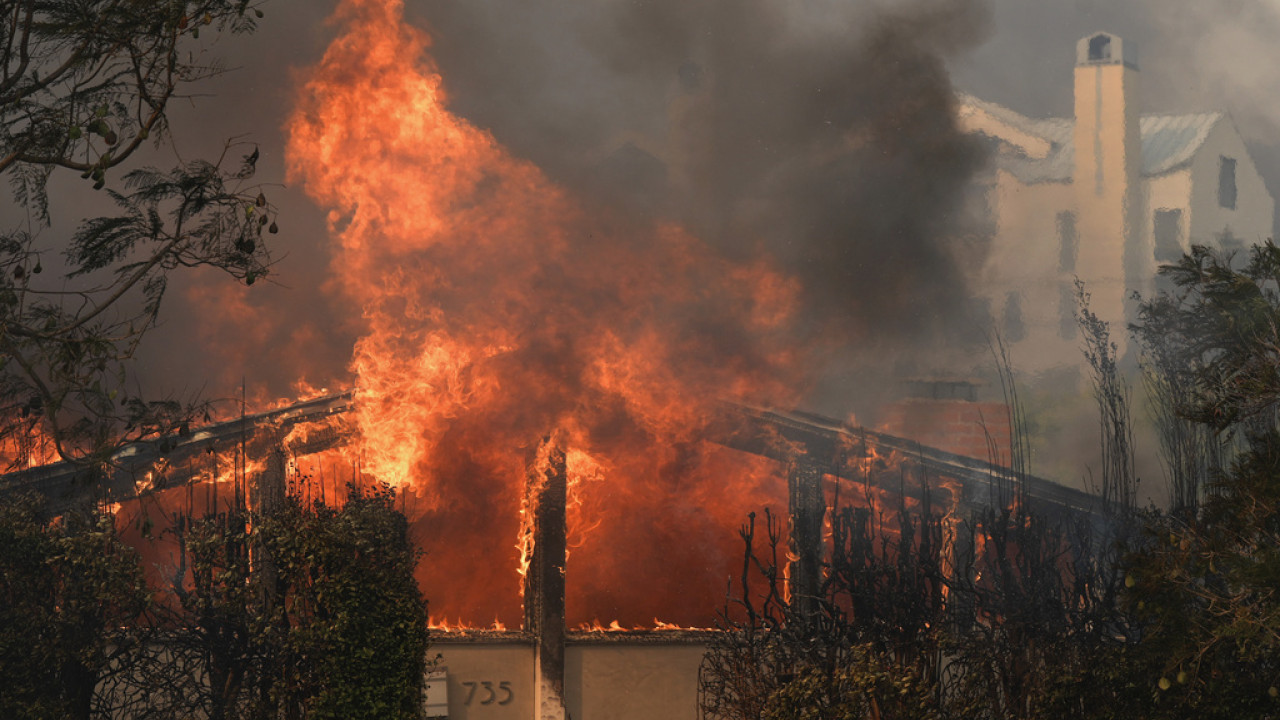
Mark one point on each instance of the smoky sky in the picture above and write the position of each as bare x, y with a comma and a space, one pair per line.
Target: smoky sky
812, 131
822, 138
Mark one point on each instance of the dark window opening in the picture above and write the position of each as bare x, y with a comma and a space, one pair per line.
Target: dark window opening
1014, 327
1067, 311
1227, 183
1068, 242
1100, 47
1168, 235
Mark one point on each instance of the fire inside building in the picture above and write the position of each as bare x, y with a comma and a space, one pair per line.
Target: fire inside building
608, 340
546, 669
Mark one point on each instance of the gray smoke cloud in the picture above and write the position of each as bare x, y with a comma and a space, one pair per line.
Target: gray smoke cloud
795, 129
821, 135
818, 135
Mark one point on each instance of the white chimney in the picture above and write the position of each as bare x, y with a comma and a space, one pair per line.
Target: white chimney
1108, 165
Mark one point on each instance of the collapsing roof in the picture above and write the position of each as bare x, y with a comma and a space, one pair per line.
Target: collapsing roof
824, 443
1045, 148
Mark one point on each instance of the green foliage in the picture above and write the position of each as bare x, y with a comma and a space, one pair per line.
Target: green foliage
1220, 326
303, 611
307, 611
1204, 582
1096, 680
83, 85
355, 619
221, 629
71, 594
866, 686
1206, 601
1204, 586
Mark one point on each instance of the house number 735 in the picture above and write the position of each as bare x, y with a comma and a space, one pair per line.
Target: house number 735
488, 695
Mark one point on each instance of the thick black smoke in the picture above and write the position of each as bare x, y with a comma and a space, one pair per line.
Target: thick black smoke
822, 137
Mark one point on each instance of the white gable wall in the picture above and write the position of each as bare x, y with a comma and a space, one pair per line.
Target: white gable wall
1250, 221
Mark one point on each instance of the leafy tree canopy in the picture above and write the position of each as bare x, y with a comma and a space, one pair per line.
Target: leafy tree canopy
84, 85
71, 595
1204, 585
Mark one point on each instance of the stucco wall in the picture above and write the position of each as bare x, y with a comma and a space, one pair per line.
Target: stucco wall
605, 679
1170, 191
1024, 253
1024, 259
487, 680
632, 682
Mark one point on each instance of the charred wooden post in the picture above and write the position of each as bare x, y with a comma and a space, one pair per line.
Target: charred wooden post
962, 576
267, 495
268, 491
807, 507
546, 494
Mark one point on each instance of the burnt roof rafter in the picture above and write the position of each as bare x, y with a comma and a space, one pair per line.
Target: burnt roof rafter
780, 435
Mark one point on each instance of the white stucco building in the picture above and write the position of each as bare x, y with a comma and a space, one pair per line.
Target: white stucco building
1107, 196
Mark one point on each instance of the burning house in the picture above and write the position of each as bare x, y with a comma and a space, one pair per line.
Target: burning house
495, 308
551, 667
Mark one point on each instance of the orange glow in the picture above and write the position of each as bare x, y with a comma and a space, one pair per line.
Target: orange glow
443, 625
27, 450
498, 309
595, 626
950, 524
660, 625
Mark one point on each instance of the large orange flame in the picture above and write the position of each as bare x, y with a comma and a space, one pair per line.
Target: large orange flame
499, 309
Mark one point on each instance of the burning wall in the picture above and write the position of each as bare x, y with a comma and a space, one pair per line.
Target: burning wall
499, 309
499, 305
